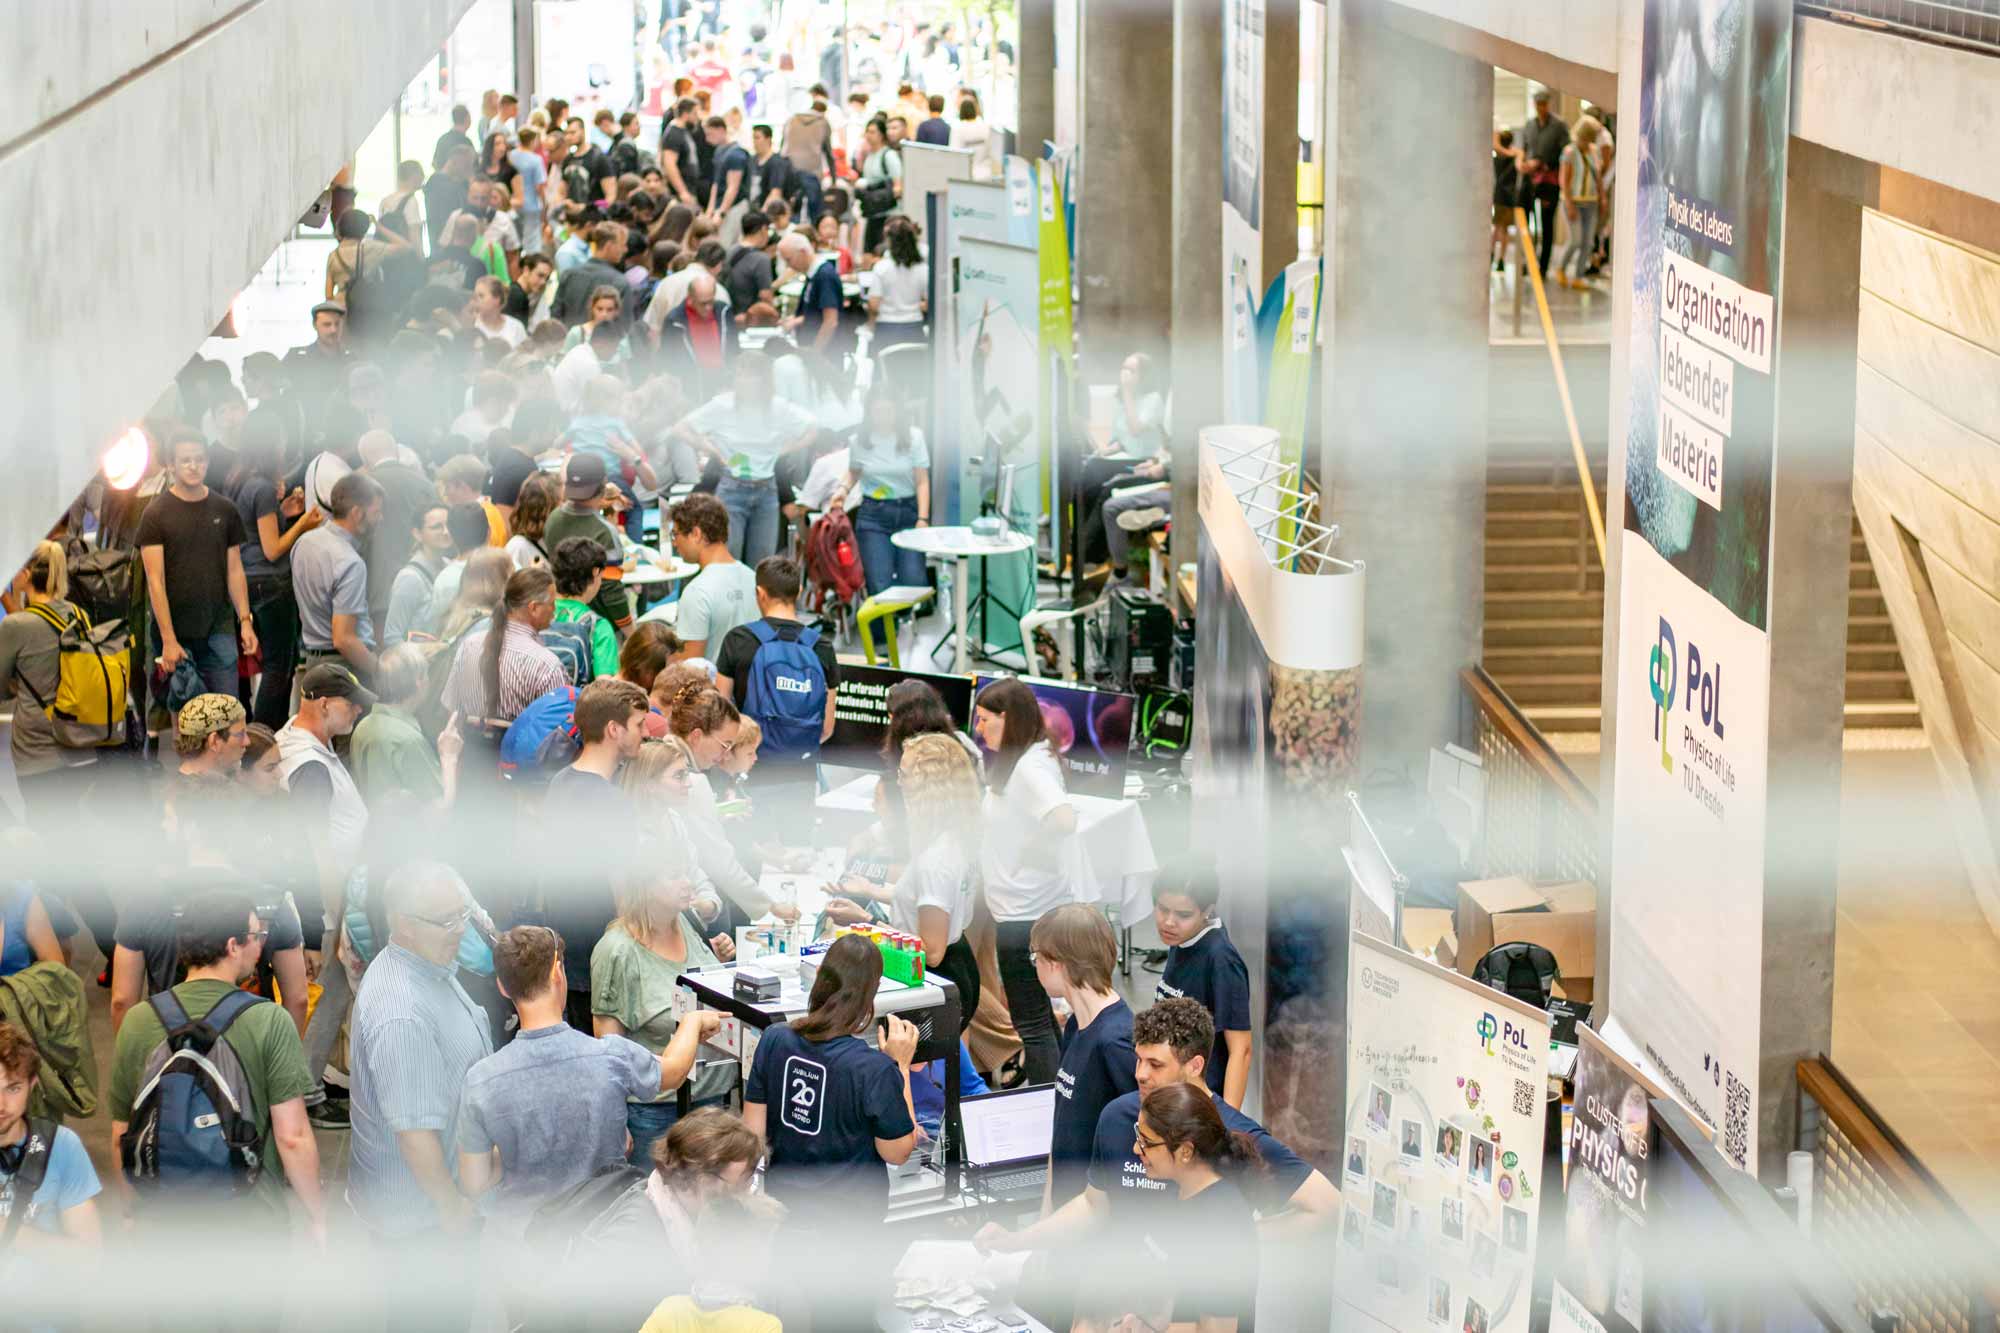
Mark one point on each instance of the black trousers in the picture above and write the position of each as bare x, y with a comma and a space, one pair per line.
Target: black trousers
1547, 199
1095, 482
1027, 1002
961, 969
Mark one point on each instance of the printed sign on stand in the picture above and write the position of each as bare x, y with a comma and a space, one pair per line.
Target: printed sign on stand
1441, 1170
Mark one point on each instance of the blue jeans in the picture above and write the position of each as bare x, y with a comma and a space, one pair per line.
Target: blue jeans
214, 656
648, 1123
883, 563
753, 517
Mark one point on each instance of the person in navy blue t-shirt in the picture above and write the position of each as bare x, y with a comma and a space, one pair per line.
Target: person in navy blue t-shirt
1204, 966
1170, 1041
1073, 951
842, 1109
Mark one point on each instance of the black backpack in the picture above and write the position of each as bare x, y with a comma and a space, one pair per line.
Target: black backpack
28, 1175
1525, 971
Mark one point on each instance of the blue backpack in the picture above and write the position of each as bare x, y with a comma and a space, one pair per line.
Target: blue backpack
542, 741
569, 640
786, 690
194, 1125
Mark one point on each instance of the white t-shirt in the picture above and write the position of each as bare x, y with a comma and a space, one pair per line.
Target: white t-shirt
511, 331
1021, 860
903, 291
525, 554
828, 476
940, 877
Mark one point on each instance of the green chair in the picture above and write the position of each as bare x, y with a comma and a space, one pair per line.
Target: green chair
883, 607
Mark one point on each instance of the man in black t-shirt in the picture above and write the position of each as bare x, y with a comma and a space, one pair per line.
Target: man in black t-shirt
772, 175
190, 542
447, 191
790, 742
680, 154
586, 168
748, 275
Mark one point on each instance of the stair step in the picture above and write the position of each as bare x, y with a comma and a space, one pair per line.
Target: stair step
1513, 498
1551, 718
1533, 523
1887, 713
1543, 578
1869, 629
1567, 659
1514, 606
1861, 576
1884, 657
1514, 552
1878, 686
1868, 604
1542, 632
1574, 689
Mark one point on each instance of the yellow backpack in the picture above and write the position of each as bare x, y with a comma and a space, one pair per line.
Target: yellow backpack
93, 677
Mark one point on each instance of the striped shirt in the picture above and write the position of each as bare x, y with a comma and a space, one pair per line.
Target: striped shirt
527, 672
413, 1036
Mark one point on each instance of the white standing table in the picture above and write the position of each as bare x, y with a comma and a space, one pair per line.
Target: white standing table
961, 546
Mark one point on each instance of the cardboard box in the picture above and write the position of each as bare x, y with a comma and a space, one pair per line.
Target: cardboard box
1560, 917
1429, 929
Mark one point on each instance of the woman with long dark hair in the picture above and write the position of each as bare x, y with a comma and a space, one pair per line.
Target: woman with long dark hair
275, 518
1206, 1227
843, 1107
1029, 822
891, 465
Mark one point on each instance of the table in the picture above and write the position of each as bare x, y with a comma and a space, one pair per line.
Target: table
647, 573
962, 546
1110, 861
947, 1263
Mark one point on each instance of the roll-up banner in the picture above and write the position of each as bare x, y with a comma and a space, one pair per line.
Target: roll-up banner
1441, 1160
1287, 329
1242, 194
1277, 700
996, 383
1693, 739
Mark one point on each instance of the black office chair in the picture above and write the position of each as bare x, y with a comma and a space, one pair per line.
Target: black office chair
1525, 971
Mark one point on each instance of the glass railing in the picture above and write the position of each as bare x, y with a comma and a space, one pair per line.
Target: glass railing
1969, 23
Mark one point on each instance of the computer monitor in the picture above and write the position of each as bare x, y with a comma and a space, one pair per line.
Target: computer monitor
861, 711
1090, 730
1008, 1128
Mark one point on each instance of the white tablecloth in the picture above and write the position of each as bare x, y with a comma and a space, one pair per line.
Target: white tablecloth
1111, 859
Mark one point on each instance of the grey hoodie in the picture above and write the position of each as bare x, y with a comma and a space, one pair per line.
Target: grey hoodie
808, 143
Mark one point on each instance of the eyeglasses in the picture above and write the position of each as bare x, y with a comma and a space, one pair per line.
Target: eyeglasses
255, 936
452, 922
1144, 1144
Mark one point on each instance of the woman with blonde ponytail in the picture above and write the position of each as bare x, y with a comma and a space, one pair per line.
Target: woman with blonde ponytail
30, 652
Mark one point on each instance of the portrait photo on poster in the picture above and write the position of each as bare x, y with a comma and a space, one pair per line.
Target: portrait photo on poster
1379, 1104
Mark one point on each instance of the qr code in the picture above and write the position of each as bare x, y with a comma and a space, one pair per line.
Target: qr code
1524, 1097
1736, 1122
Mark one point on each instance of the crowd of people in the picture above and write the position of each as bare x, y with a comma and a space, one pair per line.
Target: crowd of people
418, 816
1547, 169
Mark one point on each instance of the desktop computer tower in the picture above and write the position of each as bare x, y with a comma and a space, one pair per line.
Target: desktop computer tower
1139, 644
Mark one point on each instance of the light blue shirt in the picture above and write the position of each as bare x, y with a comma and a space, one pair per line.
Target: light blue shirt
330, 578
715, 602
413, 1036
69, 1181
750, 440
885, 472
571, 253
533, 176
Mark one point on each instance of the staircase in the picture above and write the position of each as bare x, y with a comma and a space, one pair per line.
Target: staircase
1544, 630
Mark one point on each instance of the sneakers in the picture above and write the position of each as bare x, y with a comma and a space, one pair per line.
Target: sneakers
329, 1114
1141, 520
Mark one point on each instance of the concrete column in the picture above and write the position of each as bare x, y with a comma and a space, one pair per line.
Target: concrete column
524, 55
1193, 369
1034, 74
1403, 463
1812, 516
1123, 247
1279, 207
1624, 228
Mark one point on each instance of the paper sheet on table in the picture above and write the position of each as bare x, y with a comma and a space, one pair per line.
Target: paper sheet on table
947, 1263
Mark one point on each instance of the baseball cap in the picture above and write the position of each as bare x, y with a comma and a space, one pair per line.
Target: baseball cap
330, 680
206, 714
583, 477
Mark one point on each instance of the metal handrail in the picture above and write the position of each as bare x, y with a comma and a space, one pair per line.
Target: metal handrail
1972, 24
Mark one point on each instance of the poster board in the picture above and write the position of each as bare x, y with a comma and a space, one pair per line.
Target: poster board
963, 210
1442, 1157
1693, 646
928, 168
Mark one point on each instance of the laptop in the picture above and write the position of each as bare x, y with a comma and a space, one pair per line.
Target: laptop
1007, 1137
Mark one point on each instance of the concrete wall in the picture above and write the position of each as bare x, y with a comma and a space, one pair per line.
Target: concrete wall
1583, 32
1927, 490
172, 145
